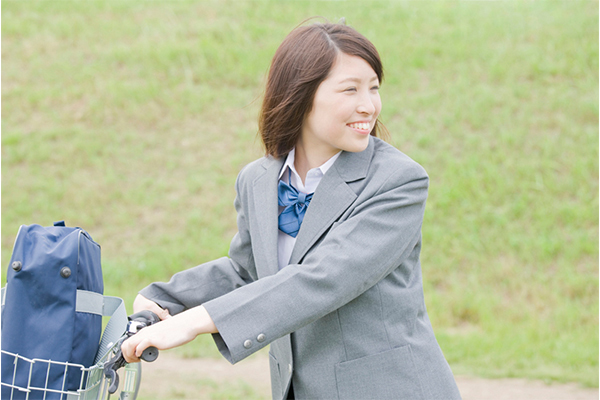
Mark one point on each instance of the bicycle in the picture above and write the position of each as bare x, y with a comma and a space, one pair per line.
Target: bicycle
99, 381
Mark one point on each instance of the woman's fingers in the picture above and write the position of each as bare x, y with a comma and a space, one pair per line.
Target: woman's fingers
133, 347
139, 349
129, 350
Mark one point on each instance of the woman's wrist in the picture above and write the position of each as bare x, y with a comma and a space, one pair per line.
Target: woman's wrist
201, 321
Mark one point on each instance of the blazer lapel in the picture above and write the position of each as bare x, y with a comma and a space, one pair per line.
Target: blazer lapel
332, 197
266, 212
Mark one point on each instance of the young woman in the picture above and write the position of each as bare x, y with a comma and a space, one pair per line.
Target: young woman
325, 264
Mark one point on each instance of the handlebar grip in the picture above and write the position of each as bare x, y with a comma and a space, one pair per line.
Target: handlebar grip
146, 318
150, 354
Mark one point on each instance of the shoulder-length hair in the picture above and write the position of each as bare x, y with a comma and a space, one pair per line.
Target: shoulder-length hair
300, 64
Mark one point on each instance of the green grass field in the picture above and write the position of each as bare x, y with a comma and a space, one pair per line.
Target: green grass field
132, 120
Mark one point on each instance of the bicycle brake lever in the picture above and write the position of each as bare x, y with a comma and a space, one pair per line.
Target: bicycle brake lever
110, 371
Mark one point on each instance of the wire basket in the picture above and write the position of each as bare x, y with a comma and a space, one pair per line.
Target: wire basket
93, 385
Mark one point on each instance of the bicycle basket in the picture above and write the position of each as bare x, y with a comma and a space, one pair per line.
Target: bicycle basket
93, 383
37, 378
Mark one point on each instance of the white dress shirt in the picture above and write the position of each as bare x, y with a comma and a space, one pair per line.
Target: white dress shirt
285, 242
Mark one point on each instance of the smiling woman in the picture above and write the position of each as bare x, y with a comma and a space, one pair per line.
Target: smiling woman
345, 110
325, 265
306, 58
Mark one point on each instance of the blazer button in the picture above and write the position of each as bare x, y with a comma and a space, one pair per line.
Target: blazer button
261, 338
247, 344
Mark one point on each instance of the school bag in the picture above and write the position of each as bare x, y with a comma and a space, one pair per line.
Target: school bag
52, 309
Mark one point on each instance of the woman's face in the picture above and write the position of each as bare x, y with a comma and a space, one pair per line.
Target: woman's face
345, 108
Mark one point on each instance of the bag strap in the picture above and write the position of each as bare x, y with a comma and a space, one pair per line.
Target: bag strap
3, 297
105, 306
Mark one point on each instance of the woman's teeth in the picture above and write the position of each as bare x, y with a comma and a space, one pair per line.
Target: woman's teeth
360, 125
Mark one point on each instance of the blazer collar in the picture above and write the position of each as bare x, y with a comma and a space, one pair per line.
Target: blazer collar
266, 212
354, 166
332, 197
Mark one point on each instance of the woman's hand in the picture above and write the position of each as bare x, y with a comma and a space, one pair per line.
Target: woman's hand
141, 303
171, 332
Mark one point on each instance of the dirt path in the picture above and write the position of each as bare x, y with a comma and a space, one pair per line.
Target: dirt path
172, 377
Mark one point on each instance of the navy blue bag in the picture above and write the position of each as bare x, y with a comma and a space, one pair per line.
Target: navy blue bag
39, 316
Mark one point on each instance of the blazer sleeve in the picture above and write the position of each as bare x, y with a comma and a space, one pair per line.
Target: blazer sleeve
195, 286
376, 238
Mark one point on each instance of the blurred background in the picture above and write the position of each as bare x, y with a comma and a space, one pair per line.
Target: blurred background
132, 120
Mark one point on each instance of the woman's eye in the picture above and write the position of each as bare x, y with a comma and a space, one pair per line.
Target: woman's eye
375, 88
351, 89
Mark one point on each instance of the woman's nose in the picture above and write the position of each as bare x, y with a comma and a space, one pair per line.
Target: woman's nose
366, 105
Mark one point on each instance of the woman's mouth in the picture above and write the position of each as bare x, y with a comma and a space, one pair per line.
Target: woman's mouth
362, 127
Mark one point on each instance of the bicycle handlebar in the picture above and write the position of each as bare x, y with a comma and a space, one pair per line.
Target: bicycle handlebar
141, 320
136, 322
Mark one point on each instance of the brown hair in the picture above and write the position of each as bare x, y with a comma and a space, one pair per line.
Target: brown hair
300, 64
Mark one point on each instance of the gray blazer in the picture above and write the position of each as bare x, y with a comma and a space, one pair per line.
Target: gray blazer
346, 319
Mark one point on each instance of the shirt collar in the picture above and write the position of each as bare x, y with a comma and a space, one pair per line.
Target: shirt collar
291, 157
289, 162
